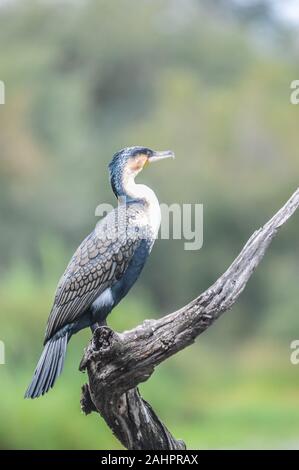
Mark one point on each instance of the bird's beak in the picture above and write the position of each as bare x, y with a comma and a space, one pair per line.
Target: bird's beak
157, 156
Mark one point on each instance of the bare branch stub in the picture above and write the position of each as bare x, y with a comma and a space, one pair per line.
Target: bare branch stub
130, 418
118, 363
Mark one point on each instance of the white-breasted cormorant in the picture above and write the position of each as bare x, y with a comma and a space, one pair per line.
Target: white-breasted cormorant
105, 266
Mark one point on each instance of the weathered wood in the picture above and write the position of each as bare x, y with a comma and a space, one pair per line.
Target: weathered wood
117, 362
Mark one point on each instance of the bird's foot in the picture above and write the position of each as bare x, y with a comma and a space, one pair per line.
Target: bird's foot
96, 325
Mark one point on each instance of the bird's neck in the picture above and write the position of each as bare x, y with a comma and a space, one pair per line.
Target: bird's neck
138, 192
129, 191
126, 190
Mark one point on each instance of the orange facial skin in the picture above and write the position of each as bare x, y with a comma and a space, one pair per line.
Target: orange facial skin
138, 163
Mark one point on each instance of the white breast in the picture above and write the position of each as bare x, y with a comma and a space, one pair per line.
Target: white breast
152, 211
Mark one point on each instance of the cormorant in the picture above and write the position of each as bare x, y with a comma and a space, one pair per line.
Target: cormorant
105, 266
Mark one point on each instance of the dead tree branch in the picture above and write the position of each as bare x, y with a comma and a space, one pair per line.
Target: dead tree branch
117, 362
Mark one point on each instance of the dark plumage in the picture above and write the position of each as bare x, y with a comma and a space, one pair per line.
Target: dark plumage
104, 267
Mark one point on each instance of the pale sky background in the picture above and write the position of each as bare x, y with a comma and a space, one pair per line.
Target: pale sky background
287, 10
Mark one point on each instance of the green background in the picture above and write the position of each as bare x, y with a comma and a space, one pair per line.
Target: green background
210, 80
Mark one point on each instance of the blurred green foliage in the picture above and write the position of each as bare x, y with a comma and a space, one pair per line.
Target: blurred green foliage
84, 79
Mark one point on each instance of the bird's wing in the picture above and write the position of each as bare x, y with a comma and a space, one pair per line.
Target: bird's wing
101, 260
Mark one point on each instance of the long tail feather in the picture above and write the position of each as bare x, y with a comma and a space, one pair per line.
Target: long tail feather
49, 367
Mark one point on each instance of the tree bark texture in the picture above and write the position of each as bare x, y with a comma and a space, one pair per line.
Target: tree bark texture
118, 362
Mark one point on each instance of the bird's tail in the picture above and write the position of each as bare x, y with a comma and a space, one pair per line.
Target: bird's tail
49, 367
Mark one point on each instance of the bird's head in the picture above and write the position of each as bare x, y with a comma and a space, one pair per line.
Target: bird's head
128, 162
